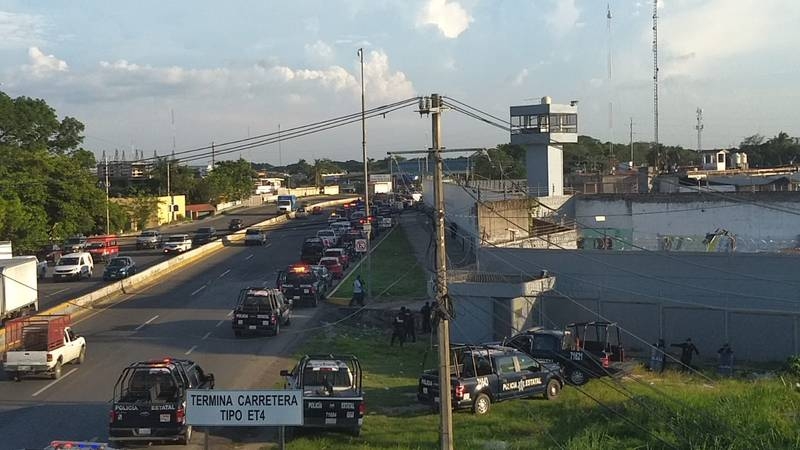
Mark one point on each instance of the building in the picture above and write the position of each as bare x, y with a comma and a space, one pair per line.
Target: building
723, 160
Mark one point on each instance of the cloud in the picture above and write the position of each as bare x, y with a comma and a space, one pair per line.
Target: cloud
564, 17
520, 78
319, 51
42, 65
20, 30
695, 44
450, 17
126, 80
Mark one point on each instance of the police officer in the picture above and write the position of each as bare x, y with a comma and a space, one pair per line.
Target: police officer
358, 292
410, 325
398, 327
687, 351
425, 312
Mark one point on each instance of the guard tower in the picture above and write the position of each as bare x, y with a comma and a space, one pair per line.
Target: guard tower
542, 130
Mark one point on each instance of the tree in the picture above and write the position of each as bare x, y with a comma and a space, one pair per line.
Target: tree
231, 180
143, 209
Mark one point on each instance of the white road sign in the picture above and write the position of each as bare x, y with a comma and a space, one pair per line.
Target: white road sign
361, 245
229, 408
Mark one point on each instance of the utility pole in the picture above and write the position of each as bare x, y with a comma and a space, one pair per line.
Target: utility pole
611, 92
631, 138
171, 199
280, 157
655, 86
108, 213
366, 175
212, 155
699, 127
443, 300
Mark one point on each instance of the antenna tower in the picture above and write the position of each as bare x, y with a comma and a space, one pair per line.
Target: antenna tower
655, 85
699, 127
610, 91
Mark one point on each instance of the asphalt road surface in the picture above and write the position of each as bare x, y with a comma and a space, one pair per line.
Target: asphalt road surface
52, 292
185, 315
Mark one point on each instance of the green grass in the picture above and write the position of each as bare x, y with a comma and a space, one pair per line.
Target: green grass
681, 410
395, 271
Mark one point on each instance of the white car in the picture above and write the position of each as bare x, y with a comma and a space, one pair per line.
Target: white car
178, 243
74, 266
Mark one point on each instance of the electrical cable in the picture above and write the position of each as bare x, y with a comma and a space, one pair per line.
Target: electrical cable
478, 110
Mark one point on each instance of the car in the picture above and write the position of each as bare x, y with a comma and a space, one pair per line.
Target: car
149, 400
384, 223
486, 374
300, 284
75, 244
255, 236
333, 265
312, 250
204, 235
74, 266
328, 236
584, 350
316, 210
119, 267
177, 243
335, 217
235, 225
301, 213
340, 253
103, 247
148, 239
260, 309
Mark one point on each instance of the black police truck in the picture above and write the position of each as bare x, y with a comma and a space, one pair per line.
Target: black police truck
486, 374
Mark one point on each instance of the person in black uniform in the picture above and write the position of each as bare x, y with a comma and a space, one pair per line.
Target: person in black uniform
688, 349
425, 312
398, 327
410, 325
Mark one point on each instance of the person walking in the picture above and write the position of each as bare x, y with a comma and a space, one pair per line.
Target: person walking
398, 327
410, 326
358, 292
425, 312
688, 349
725, 367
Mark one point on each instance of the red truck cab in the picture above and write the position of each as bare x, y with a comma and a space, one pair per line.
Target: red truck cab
103, 247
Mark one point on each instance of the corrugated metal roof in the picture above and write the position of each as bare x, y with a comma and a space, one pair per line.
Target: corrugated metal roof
742, 180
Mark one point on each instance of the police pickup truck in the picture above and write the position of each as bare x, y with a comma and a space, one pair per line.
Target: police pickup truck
486, 374
149, 401
261, 310
333, 397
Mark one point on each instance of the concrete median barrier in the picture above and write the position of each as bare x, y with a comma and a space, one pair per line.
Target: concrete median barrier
80, 305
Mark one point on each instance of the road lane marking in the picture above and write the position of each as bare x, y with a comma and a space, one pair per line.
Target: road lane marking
224, 273
57, 292
143, 325
219, 323
49, 385
249, 256
230, 313
198, 289
190, 350
205, 336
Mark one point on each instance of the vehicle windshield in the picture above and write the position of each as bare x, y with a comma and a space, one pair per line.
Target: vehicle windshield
332, 253
327, 233
204, 231
146, 385
149, 234
329, 261
333, 378
72, 261
95, 245
284, 203
73, 241
176, 239
117, 263
252, 232
299, 278
256, 300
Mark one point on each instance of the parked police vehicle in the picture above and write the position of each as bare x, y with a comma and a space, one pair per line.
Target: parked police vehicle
486, 374
333, 397
150, 400
584, 350
261, 310
301, 284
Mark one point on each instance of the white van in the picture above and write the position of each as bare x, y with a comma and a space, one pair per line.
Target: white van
74, 266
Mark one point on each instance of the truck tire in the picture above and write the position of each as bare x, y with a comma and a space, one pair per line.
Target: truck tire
482, 404
277, 330
577, 377
81, 356
187, 436
57, 370
355, 431
553, 389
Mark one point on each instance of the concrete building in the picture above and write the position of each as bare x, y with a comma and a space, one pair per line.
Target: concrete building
542, 130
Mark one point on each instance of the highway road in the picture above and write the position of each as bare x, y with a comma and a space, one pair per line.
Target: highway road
52, 293
185, 315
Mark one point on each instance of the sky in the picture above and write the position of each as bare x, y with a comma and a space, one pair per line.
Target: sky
139, 73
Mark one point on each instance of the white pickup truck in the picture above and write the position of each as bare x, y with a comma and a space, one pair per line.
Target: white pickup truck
41, 344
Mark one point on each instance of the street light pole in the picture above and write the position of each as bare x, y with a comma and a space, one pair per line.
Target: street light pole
108, 213
366, 175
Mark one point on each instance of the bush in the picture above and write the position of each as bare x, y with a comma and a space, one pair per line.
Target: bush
792, 366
